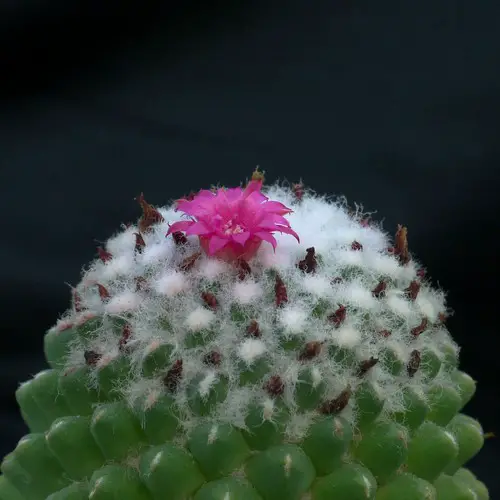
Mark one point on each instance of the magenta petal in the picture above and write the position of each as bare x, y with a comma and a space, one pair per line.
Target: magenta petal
241, 238
267, 237
205, 193
199, 228
216, 244
280, 229
288, 230
195, 207
272, 219
292, 232
233, 194
257, 198
224, 210
251, 187
186, 206
221, 197
249, 214
218, 212
181, 225
276, 206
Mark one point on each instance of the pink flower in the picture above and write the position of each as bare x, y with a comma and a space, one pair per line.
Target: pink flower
232, 223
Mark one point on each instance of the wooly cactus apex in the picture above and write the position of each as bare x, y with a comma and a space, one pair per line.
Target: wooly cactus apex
262, 342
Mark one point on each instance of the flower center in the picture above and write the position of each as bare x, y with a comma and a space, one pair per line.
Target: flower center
232, 227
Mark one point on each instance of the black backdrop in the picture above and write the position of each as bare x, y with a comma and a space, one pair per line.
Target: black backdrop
395, 106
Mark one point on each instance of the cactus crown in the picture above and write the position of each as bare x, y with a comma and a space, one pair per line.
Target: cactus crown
298, 328
249, 344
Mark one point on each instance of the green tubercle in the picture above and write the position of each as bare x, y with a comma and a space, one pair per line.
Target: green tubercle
451, 488
283, 471
113, 482
61, 439
265, 424
415, 409
75, 491
219, 449
227, 489
466, 476
74, 386
169, 468
31, 411
430, 451
469, 437
116, 430
349, 482
444, 404
383, 461
8, 490
408, 487
330, 433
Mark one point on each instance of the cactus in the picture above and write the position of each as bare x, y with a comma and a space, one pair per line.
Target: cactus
212, 352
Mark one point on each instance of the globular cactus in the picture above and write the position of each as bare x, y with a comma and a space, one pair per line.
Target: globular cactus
256, 343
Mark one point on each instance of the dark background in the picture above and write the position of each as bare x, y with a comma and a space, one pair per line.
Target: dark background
394, 104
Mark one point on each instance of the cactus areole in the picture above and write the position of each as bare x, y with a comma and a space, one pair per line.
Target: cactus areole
251, 343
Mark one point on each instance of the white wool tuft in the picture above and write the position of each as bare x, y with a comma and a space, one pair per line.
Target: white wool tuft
171, 283
316, 376
357, 295
251, 349
430, 304
125, 302
293, 319
121, 265
122, 243
211, 268
268, 409
155, 462
246, 292
382, 264
282, 258
212, 435
397, 302
347, 336
408, 272
199, 318
153, 253
349, 257
206, 384
320, 286
426, 307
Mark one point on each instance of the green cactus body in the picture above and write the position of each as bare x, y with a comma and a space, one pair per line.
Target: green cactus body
321, 370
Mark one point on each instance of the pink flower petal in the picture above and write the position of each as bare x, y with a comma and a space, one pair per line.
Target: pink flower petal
181, 225
281, 229
195, 207
291, 232
257, 198
251, 187
199, 228
271, 219
267, 237
276, 206
205, 193
241, 238
216, 244
235, 221
246, 219
225, 210
233, 194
